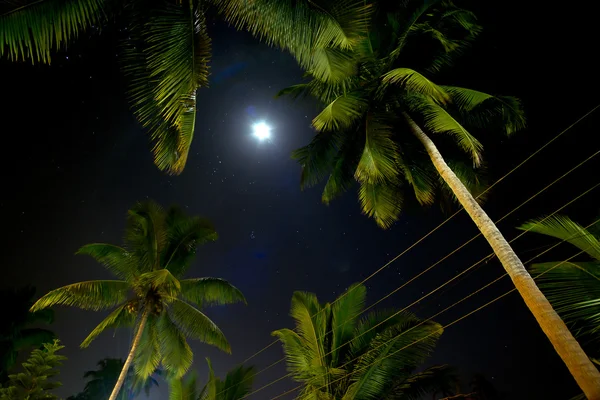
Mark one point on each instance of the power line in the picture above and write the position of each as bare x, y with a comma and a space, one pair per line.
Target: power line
433, 333
451, 216
440, 286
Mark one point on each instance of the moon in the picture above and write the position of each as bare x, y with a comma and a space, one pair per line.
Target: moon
261, 131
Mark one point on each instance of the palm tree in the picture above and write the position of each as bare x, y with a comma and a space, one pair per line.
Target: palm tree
237, 384
335, 356
16, 331
381, 115
167, 50
102, 381
573, 287
151, 296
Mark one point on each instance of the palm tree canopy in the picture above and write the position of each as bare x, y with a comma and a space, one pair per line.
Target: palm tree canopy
167, 51
379, 88
237, 384
159, 248
572, 287
336, 355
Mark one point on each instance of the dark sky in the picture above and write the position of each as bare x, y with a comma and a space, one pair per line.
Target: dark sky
75, 160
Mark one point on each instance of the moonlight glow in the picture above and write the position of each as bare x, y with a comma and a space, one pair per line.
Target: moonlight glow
262, 131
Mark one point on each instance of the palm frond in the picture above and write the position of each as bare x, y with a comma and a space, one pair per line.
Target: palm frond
413, 81
237, 383
90, 295
147, 356
344, 164
483, 110
344, 321
381, 201
438, 120
176, 355
196, 325
300, 26
175, 60
317, 157
184, 388
208, 291
564, 228
420, 178
340, 113
121, 317
185, 234
378, 162
573, 288
311, 323
298, 357
332, 65
34, 29
116, 259
146, 234
162, 281
392, 355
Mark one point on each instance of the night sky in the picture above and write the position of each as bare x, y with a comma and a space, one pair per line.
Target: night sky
75, 160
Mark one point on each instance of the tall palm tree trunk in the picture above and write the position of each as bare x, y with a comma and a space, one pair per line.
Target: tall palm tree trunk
578, 363
134, 346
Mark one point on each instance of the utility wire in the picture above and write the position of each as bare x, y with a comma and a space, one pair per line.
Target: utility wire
449, 218
432, 333
437, 288
453, 215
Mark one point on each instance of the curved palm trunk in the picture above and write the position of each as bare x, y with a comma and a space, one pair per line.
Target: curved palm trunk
134, 346
578, 363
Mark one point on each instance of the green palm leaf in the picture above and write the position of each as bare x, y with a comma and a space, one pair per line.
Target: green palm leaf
392, 354
33, 29
90, 295
564, 228
378, 162
147, 357
196, 325
208, 291
176, 355
340, 113
573, 288
413, 81
344, 320
175, 60
381, 201
146, 235
121, 317
184, 388
116, 259
483, 110
185, 234
331, 65
316, 159
439, 120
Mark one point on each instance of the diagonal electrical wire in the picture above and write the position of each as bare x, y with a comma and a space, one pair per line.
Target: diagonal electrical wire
568, 128
429, 319
440, 286
450, 254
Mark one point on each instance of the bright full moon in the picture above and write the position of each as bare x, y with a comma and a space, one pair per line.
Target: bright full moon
262, 131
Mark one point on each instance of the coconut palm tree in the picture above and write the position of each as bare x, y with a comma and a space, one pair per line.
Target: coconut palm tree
385, 125
336, 356
16, 327
102, 381
237, 384
151, 295
573, 287
167, 49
